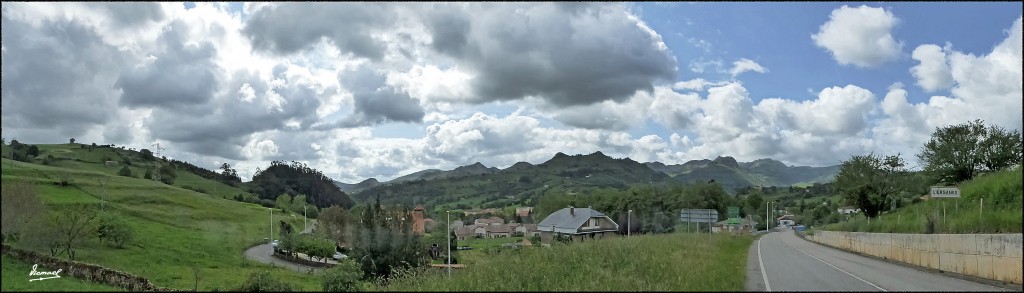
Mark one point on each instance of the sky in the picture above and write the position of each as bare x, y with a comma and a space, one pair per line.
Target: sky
360, 90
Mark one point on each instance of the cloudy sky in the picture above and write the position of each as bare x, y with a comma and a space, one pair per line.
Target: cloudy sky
383, 89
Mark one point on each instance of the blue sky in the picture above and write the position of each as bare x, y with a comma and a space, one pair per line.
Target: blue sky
364, 90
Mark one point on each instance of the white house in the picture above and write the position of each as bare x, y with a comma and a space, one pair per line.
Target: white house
848, 210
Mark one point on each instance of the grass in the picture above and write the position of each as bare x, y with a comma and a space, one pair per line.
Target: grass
175, 228
706, 262
16, 278
1001, 213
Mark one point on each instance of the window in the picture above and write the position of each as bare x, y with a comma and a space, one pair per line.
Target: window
593, 222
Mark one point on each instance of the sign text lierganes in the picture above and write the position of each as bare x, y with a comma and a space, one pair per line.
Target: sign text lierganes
945, 192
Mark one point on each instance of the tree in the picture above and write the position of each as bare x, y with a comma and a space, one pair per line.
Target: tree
75, 226
125, 171
869, 181
343, 277
167, 174
333, 223
286, 229
284, 202
20, 204
32, 151
149, 174
959, 152
72, 141
297, 203
147, 154
114, 229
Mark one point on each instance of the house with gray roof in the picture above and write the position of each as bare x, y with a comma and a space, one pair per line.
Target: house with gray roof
577, 224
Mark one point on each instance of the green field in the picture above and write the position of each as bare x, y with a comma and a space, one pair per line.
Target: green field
1001, 213
665, 262
175, 228
16, 278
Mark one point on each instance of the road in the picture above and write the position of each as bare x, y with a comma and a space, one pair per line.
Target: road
263, 253
784, 262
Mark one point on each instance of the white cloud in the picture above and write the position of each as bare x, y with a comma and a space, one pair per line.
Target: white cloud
745, 65
933, 71
860, 36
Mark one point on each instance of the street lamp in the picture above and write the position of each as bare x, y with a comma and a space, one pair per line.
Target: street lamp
449, 223
628, 225
271, 210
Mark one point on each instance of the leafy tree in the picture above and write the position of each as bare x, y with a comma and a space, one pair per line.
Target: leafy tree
297, 203
149, 174
869, 181
285, 229
20, 205
333, 223
72, 141
343, 277
75, 226
284, 202
959, 152
147, 154
312, 211
125, 171
114, 229
167, 174
32, 151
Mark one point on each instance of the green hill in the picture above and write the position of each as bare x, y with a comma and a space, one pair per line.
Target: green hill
175, 227
1000, 212
521, 184
732, 174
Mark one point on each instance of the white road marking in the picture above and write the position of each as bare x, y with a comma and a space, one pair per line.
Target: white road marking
841, 270
761, 262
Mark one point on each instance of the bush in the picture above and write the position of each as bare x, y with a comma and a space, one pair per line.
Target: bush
125, 171
343, 277
265, 282
114, 230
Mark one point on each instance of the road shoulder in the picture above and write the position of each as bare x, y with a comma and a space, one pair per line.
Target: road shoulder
974, 279
754, 282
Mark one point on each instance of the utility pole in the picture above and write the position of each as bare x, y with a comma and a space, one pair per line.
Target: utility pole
303, 218
449, 223
628, 223
103, 186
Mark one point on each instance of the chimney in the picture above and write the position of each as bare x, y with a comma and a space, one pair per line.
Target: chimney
572, 211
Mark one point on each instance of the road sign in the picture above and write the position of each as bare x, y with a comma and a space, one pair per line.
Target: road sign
945, 191
699, 215
734, 215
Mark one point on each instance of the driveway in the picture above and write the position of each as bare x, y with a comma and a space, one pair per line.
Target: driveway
264, 253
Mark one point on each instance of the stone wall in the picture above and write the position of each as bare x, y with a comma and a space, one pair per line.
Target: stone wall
989, 256
84, 271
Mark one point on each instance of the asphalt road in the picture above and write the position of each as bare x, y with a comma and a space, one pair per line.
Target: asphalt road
263, 253
784, 262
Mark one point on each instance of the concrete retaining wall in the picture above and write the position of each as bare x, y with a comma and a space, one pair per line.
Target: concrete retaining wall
989, 256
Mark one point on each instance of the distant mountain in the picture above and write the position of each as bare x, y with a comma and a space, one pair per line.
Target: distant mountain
520, 183
732, 174
425, 174
352, 188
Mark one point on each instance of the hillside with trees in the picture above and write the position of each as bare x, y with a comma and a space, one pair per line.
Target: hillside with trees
298, 179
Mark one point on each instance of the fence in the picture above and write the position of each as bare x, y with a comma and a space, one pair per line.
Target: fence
84, 271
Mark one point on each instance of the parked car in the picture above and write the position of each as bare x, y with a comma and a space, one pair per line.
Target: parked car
339, 256
274, 243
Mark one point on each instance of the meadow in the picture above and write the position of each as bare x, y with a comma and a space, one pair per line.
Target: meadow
659, 262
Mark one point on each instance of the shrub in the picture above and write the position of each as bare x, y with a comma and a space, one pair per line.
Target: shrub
265, 282
114, 230
125, 171
343, 277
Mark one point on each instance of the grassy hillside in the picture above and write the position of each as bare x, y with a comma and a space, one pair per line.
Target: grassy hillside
641, 263
517, 186
1001, 213
175, 228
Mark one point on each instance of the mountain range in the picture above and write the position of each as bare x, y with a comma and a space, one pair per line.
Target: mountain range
523, 182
